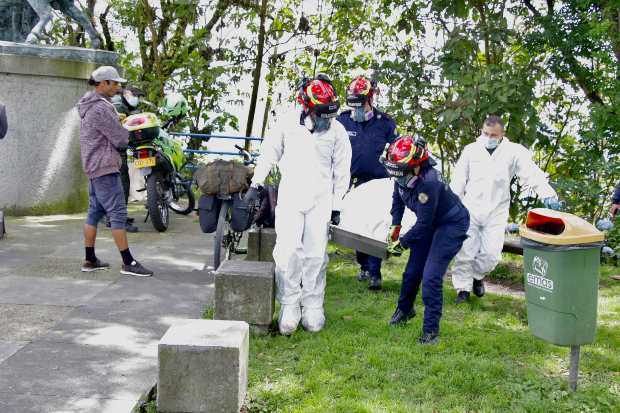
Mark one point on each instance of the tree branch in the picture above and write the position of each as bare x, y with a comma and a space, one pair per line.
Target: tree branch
529, 5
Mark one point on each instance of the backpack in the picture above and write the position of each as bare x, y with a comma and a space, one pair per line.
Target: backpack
223, 177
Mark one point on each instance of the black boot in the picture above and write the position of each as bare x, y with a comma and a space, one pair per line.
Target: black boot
429, 338
399, 317
375, 283
461, 297
363, 275
479, 288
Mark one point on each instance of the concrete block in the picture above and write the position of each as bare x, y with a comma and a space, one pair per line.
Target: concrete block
245, 290
203, 367
261, 242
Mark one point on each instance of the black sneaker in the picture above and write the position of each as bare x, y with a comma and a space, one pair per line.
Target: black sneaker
461, 297
429, 338
94, 266
478, 288
400, 318
375, 283
131, 228
136, 269
363, 275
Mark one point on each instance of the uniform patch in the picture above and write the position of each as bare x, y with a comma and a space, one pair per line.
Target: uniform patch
423, 198
352, 133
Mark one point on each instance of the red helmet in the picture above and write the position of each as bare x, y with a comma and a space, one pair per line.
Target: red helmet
360, 91
404, 154
319, 96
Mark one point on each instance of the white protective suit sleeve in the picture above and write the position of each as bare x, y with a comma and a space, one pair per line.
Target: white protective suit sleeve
342, 167
271, 152
460, 175
532, 176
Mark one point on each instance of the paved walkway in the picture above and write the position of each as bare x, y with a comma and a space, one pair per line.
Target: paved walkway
76, 342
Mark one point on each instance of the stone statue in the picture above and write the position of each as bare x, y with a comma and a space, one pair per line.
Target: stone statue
17, 18
43, 10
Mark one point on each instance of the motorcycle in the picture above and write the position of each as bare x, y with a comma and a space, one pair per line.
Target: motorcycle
159, 158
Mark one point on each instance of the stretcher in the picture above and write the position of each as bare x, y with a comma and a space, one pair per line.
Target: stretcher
358, 242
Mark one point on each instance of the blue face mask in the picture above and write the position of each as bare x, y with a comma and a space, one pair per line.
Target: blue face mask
320, 124
360, 115
406, 181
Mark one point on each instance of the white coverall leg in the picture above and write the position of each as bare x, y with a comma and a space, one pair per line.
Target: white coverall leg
480, 253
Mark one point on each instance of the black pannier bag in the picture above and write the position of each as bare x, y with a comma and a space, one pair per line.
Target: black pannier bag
208, 211
242, 215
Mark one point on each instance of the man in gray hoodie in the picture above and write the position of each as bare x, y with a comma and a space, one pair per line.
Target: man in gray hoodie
101, 138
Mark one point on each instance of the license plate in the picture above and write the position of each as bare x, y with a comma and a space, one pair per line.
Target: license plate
145, 162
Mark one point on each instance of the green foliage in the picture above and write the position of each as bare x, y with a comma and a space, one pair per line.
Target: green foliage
550, 69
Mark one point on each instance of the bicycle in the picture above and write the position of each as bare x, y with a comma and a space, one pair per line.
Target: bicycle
227, 240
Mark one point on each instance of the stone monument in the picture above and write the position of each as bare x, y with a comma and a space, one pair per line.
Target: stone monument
40, 166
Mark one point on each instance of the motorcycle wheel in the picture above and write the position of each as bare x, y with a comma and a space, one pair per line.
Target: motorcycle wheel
186, 202
221, 252
156, 202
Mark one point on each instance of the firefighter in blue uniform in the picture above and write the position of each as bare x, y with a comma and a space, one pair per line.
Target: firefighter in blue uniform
369, 131
436, 237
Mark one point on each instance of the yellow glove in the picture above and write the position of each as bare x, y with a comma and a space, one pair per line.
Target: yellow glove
394, 248
122, 117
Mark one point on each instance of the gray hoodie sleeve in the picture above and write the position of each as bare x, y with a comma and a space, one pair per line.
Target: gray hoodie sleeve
107, 123
3, 122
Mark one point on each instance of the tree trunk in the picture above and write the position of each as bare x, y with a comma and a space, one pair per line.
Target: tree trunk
257, 71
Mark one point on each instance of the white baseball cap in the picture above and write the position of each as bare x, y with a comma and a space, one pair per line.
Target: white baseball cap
107, 73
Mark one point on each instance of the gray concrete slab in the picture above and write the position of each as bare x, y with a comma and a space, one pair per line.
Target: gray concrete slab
19, 322
123, 323
30, 403
85, 371
8, 348
42, 291
87, 342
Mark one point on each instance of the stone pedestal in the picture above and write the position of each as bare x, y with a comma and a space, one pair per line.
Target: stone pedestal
203, 367
261, 242
40, 166
245, 290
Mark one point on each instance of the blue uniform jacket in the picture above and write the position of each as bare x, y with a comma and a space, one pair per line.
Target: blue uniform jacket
616, 198
432, 201
368, 141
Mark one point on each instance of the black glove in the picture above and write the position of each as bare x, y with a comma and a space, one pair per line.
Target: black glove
335, 218
251, 196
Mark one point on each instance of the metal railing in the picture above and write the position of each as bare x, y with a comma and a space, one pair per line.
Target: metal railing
207, 137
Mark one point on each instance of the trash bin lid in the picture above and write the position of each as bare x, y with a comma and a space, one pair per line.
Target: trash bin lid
558, 228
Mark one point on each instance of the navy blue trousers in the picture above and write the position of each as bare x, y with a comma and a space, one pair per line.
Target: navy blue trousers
428, 262
369, 263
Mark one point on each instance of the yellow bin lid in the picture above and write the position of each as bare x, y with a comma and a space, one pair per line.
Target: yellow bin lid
558, 228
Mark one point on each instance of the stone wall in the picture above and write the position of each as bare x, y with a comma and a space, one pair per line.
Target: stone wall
40, 166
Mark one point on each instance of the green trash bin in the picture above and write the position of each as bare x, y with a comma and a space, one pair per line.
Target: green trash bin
561, 260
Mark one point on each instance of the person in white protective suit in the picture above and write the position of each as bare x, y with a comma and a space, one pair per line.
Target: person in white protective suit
481, 179
314, 156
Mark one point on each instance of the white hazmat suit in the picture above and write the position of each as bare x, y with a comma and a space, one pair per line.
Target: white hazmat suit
482, 182
315, 170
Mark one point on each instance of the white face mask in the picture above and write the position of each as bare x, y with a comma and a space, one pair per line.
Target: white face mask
489, 143
132, 100
309, 123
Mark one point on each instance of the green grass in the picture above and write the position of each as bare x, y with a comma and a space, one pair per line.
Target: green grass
486, 360
509, 271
